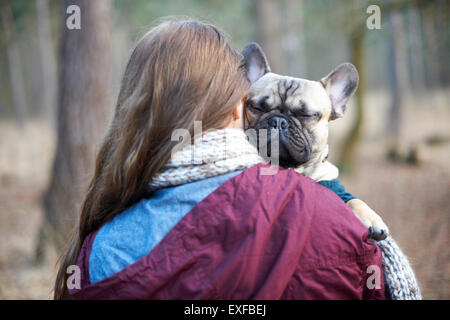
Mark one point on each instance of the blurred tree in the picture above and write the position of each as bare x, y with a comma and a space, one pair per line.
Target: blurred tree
279, 31
431, 44
266, 14
356, 45
14, 63
83, 106
349, 146
443, 28
47, 61
415, 50
293, 37
398, 81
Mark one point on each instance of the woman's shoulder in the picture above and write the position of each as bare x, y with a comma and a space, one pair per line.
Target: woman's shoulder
133, 233
326, 220
272, 181
120, 242
306, 200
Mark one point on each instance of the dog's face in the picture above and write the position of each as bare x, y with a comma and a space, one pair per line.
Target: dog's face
296, 110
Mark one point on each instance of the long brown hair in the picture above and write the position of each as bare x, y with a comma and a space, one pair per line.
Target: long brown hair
179, 72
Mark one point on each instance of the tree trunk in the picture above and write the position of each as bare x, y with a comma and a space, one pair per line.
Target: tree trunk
268, 30
349, 147
431, 43
14, 63
442, 26
84, 103
398, 75
47, 61
293, 38
416, 51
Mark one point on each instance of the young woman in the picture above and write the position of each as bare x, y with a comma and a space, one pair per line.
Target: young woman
201, 220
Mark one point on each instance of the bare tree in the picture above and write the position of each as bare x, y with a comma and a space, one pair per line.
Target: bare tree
14, 63
266, 14
47, 60
442, 27
293, 37
399, 78
279, 30
431, 44
415, 50
349, 147
357, 32
83, 106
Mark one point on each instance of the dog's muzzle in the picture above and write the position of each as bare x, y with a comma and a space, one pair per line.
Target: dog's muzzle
294, 145
278, 123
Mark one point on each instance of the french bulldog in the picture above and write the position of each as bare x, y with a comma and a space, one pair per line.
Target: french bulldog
296, 112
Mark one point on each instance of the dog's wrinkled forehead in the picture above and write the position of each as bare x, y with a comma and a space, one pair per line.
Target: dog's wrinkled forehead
294, 93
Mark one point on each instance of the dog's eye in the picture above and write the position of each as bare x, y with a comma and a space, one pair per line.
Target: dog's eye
309, 116
253, 106
263, 106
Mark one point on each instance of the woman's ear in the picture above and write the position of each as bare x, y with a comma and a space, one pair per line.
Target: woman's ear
238, 115
255, 61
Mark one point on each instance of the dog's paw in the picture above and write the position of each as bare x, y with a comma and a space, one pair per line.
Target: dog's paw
377, 228
377, 234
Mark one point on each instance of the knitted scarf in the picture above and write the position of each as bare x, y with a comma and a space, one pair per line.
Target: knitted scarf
399, 278
214, 153
221, 151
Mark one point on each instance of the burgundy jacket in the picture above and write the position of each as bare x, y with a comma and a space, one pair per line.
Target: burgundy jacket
279, 236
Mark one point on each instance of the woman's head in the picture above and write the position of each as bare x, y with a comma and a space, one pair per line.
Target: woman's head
179, 72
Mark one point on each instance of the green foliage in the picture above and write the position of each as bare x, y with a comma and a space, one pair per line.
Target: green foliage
20, 10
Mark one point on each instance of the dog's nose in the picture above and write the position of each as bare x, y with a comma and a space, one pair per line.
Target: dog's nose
278, 123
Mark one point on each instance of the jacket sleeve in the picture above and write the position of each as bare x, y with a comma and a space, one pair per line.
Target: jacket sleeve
336, 187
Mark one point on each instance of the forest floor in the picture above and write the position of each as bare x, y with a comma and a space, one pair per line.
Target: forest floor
414, 200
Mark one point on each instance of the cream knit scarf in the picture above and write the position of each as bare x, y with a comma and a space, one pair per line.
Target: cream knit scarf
215, 153
221, 151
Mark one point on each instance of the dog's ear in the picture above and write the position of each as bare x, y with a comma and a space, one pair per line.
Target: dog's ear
340, 84
255, 61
